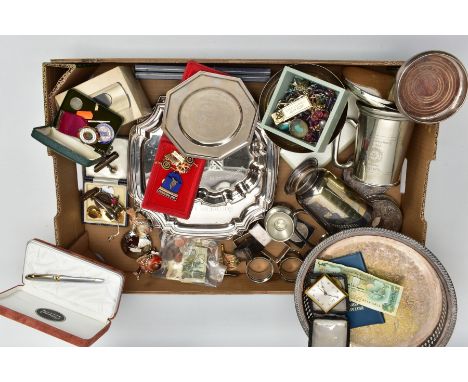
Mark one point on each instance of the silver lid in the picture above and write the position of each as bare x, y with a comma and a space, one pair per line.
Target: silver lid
369, 98
210, 116
430, 86
279, 223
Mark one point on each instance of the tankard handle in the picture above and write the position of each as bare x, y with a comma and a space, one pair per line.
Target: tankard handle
336, 148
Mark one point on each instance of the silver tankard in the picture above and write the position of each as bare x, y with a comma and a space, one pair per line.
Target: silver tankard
382, 138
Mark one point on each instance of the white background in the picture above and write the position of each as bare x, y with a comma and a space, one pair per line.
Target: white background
28, 204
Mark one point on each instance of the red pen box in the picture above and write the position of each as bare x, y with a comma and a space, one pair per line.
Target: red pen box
169, 190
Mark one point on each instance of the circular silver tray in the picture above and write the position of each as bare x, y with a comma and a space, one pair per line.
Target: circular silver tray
233, 192
428, 308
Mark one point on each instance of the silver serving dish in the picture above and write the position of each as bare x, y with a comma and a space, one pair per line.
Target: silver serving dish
233, 193
428, 308
210, 116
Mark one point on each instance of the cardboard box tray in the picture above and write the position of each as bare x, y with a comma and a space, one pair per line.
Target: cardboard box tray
89, 240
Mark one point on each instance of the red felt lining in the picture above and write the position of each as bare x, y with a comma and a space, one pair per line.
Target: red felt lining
182, 206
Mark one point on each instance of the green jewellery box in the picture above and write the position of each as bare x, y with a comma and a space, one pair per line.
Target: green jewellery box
287, 77
79, 120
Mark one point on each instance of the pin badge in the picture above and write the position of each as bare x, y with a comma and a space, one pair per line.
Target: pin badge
177, 162
106, 133
88, 135
171, 185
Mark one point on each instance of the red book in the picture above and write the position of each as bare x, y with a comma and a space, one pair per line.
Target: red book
169, 191
194, 67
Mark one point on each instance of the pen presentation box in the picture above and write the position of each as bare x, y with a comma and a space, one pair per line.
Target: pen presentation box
79, 313
91, 239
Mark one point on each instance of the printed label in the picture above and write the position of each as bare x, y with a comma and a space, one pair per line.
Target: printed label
294, 108
50, 314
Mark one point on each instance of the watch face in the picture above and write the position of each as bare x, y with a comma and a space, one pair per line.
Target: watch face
325, 293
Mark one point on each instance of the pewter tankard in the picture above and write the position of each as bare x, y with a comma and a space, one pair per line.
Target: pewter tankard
382, 138
327, 199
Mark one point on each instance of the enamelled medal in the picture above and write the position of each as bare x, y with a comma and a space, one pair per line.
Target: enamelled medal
172, 182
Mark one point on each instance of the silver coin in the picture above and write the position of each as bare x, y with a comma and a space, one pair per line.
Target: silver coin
386, 213
76, 103
360, 187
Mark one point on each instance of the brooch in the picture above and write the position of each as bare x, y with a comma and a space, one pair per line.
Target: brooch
172, 183
177, 162
148, 263
105, 200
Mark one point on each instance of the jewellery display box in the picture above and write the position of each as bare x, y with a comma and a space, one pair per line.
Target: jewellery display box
329, 331
79, 313
66, 142
116, 182
287, 77
91, 239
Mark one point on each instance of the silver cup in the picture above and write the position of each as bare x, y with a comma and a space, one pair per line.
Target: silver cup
281, 224
382, 138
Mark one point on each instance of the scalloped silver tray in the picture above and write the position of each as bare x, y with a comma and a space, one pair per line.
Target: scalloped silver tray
233, 192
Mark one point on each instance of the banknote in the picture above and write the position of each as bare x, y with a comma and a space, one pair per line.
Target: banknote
365, 289
194, 264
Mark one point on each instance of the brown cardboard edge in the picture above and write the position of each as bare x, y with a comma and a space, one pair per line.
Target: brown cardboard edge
431, 131
68, 67
60, 163
129, 286
148, 284
426, 181
67, 79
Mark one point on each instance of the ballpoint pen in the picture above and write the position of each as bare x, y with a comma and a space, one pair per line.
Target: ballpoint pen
57, 278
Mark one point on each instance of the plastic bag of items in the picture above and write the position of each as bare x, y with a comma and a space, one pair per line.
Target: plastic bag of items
191, 260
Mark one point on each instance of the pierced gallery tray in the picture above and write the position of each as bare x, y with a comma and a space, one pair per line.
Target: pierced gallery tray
233, 193
428, 307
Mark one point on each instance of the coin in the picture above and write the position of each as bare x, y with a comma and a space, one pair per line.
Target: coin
360, 187
105, 132
88, 135
76, 103
386, 213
